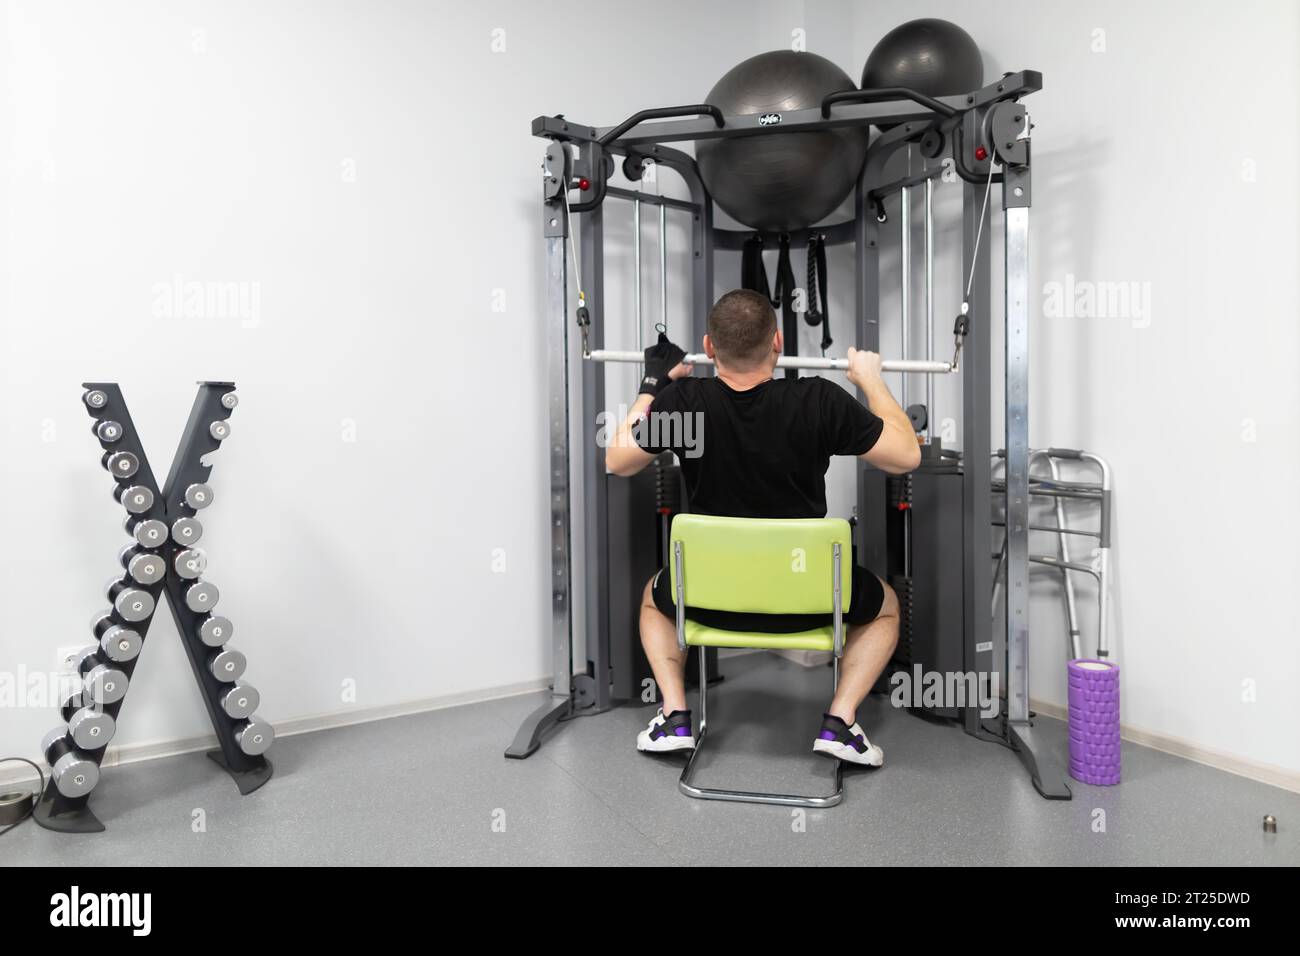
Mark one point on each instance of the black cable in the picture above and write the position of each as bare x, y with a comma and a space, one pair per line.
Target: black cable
39, 796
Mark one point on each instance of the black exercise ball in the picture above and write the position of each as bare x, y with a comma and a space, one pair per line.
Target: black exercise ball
933, 57
781, 181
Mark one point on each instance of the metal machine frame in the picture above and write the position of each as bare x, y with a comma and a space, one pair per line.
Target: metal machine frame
967, 134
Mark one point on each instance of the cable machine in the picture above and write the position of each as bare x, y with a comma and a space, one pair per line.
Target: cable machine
982, 137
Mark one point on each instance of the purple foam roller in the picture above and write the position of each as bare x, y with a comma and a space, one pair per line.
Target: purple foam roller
1094, 721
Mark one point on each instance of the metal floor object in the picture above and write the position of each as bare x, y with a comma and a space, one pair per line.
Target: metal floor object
426, 789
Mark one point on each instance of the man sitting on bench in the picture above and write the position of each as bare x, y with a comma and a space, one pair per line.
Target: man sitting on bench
760, 449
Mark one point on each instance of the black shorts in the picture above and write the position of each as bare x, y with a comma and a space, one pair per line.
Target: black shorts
865, 602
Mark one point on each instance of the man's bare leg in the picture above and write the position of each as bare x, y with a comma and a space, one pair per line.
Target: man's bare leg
667, 660
867, 649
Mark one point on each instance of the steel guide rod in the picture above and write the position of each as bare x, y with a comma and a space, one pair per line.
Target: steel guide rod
929, 301
663, 267
905, 280
914, 366
636, 275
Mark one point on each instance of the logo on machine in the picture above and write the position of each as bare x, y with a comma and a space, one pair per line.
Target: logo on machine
769, 119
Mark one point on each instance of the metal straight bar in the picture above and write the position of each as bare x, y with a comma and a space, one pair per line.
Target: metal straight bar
853, 114
595, 514
1063, 544
679, 585
905, 280
1035, 752
1055, 530
561, 553
929, 302
849, 114
650, 199
1017, 461
636, 271
1046, 491
977, 496
924, 176
528, 737
834, 234
663, 267
912, 366
871, 491
1103, 555
836, 602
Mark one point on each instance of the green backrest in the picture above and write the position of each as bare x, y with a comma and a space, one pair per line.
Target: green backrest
762, 565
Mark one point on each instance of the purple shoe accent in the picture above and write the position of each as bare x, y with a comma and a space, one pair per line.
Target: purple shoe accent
828, 735
683, 731
1094, 721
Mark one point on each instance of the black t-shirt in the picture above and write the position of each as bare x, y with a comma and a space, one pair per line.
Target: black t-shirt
761, 453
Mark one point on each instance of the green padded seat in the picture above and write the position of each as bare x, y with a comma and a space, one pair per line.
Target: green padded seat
822, 639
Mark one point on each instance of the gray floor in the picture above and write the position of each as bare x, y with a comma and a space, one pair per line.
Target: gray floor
434, 788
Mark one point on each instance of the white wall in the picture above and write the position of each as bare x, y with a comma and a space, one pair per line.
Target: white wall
1168, 158
368, 169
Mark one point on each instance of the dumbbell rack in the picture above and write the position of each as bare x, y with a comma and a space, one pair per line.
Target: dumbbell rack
160, 561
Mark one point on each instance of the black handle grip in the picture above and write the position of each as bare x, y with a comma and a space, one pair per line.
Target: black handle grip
662, 112
1068, 453
884, 94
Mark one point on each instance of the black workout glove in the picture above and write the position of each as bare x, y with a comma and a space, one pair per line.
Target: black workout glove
660, 359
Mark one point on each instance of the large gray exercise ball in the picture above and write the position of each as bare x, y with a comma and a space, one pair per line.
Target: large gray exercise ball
781, 181
933, 57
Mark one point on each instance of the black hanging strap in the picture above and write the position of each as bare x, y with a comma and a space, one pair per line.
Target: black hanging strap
753, 274
818, 305
783, 292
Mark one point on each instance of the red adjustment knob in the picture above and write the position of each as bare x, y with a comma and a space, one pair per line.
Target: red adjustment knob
980, 153
584, 184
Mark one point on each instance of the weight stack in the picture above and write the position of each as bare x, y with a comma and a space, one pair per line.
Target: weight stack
1094, 721
898, 503
924, 567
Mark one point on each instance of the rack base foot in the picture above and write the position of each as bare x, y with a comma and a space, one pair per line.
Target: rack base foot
247, 780
529, 736
1043, 769
80, 820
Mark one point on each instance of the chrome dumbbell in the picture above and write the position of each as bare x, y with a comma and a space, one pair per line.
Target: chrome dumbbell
255, 736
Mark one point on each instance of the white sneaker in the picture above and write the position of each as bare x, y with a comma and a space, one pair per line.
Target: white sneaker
837, 739
667, 734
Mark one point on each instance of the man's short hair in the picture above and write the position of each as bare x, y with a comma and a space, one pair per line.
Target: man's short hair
741, 326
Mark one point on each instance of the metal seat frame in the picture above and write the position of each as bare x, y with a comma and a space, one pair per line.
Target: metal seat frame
685, 783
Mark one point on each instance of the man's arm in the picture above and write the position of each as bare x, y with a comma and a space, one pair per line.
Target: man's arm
624, 457
897, 450
663, 366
